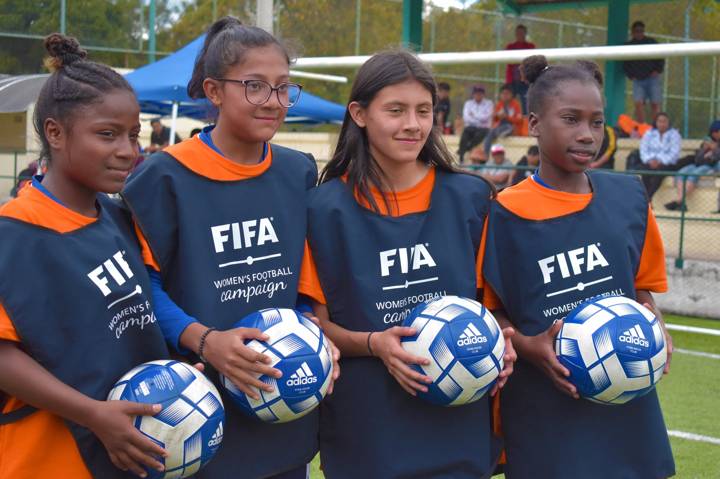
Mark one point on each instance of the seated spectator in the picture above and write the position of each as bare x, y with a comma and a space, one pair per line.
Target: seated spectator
442, 108
659, 151
531, 160
606, 155
160, 136
23, 178
490, 171
477, 119
707, 159
507, 117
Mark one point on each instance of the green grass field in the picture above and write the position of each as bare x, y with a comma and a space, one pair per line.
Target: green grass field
690, 397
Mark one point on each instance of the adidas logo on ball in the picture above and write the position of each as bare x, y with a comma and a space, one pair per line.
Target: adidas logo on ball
471, 335
217, 436
302, 376
635, 336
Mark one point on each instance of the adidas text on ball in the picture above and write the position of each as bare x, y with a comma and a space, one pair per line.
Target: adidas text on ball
299, 349
464, 344
614, 349
190, 424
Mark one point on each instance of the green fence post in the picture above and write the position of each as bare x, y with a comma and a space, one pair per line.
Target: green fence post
15, 173
412, 24
679, 261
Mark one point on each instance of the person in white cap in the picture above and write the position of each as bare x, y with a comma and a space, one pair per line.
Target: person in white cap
498, 169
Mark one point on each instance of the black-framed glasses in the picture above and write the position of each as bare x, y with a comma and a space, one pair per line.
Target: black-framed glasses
258, 92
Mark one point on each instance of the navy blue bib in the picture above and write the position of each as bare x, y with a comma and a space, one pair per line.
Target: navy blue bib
373, 270
226, 249
81, 305
541, 270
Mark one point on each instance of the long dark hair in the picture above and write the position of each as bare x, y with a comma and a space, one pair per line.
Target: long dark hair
352, 154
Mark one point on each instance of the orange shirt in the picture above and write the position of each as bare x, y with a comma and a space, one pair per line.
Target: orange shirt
532, 201
412, 200
514, 115
39, 445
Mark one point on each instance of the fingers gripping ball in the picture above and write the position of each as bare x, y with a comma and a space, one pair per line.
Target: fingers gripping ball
464, 344
298, 348
614, 349
189, 426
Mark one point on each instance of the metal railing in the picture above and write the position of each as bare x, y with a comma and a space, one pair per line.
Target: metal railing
690, 231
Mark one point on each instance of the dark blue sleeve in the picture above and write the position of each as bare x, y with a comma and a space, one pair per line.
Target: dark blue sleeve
170, 317
304, 304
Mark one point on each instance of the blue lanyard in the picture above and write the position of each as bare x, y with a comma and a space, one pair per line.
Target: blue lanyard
540, 181
37, 183
206, 138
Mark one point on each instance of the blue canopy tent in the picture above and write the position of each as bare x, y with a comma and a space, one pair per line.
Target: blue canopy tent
161, 89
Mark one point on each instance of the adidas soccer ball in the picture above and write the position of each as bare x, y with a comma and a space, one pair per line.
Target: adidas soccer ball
189, 426
464, 344
298, 348
614, 349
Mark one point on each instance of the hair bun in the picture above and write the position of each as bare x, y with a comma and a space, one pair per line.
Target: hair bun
533, 66
63, 51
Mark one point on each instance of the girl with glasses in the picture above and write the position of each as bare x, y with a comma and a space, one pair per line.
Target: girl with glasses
224, 219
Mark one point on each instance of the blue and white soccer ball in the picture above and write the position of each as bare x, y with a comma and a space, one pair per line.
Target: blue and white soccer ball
189, 426
299, 349
464, 344
614, 349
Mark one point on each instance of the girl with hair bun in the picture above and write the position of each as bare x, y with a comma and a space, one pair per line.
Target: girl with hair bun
564, 207
218, 213
71, 266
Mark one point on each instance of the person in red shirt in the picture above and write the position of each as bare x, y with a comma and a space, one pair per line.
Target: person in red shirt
507, 118
513, 75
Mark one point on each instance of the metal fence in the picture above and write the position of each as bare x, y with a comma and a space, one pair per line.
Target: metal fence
690, 231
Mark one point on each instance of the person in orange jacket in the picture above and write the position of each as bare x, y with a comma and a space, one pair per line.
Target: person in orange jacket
507, 118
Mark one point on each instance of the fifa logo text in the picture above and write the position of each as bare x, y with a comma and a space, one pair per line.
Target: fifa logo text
116, 267
243, 234
408, 258
571, 262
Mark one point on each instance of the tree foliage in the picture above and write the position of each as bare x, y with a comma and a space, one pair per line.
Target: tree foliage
329, 27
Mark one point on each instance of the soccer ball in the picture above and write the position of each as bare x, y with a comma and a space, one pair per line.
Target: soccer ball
614, 349
299, 349
189, 426
464, 344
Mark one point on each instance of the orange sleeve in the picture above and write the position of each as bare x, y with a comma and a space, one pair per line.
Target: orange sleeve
489, 298
651, 274
309, 283
146, 252
7, 329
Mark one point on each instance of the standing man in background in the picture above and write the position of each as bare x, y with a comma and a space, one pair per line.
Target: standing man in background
645, 76
442, 108
513, 76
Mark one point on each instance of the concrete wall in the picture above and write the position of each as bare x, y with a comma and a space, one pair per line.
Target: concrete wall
693, 290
